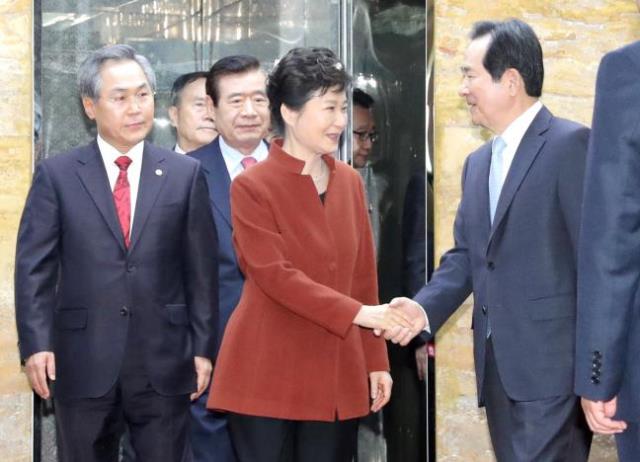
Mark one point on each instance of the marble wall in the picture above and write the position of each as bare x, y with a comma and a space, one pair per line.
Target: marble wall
16, 134
574, 35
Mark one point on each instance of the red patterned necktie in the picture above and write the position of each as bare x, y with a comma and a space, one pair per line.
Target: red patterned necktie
122, 197
248, 161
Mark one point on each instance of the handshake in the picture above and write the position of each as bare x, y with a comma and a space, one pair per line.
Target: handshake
399, 321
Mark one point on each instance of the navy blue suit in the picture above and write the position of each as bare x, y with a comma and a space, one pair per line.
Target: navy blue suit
608, 335
521, 270
209, 435
107, 311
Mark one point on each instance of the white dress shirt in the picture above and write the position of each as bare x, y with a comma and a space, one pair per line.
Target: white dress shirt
513, 135
109, 155
233, 158
179, 150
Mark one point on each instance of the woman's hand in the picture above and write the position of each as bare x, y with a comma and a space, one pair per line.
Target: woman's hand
381, 318
380, 383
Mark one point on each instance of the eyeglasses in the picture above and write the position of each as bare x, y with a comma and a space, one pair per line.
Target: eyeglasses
365, 135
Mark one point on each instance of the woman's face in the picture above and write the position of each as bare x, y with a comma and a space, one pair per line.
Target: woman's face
316, 128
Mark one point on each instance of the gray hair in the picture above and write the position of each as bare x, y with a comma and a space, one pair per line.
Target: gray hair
89, 81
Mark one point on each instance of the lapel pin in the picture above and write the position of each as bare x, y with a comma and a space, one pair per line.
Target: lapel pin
159, 172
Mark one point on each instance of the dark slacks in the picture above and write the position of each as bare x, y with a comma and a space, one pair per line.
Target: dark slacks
551, 429
628, 443
210, 439
263, 439
89, 429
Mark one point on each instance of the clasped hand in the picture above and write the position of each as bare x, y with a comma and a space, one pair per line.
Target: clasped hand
399, 321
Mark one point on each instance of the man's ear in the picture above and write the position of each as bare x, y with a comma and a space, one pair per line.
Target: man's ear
513, 80
89, 107
173, 116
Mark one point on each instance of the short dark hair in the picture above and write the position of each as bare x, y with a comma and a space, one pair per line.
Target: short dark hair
298, 75
183, 81
515, 45
362, 99
229, 65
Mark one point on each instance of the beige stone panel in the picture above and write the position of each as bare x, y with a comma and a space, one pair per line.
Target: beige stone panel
15, 430
13, 30
8, 7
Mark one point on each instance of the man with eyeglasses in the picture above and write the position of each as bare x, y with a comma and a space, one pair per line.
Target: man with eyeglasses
364, 137
116, 302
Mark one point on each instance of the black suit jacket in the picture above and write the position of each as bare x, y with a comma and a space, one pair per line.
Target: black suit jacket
521, 270
231, 279
608, 337
78, 288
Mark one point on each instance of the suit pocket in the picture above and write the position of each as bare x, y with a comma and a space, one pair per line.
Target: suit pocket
177, 314
70, 318
552, 307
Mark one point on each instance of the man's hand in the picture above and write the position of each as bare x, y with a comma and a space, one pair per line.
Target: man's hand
414, 312
380, 383
203, 373
381, 317
600, 414
421, 361
39, 367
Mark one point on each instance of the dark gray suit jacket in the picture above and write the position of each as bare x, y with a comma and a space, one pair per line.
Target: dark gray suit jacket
608, 337
78, 288
521, 270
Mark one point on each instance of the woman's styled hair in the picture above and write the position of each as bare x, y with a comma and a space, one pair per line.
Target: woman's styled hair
299, 75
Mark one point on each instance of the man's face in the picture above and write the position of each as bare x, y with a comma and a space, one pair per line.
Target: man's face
363, 129
192, 118
242, 114
487, 100
124, 108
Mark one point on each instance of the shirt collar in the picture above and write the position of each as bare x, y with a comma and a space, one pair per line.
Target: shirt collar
110, 154
179, 150
233, 157
516, 129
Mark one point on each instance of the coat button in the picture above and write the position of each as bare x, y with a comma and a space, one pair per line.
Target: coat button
490, 265
595, 380
124, 311
484, 309
131, 268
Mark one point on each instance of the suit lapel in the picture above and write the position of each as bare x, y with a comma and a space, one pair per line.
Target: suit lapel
527, 152
480, 189
152, 177
218, 180
93, 176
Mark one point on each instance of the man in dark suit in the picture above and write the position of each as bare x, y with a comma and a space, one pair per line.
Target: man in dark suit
116, 297
516, 234
236, 87
608, 329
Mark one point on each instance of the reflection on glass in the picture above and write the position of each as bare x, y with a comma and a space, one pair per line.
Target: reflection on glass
389, 64
177, 36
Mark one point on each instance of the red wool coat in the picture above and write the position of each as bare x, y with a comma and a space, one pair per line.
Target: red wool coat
290, 349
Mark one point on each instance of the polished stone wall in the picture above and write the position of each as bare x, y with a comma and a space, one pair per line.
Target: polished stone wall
574, 35
16, 134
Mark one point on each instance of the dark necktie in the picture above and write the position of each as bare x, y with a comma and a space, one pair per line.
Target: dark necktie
122, 197
248, 161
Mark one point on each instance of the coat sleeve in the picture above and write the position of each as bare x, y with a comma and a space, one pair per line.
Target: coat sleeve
365, 283
262, 255
609, 247
450, 284
201, 274
37, 264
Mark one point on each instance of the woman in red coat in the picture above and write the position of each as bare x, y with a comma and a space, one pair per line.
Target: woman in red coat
299, 362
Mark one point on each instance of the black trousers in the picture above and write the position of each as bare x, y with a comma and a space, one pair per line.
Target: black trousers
89, 429
551, 429
263, 439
